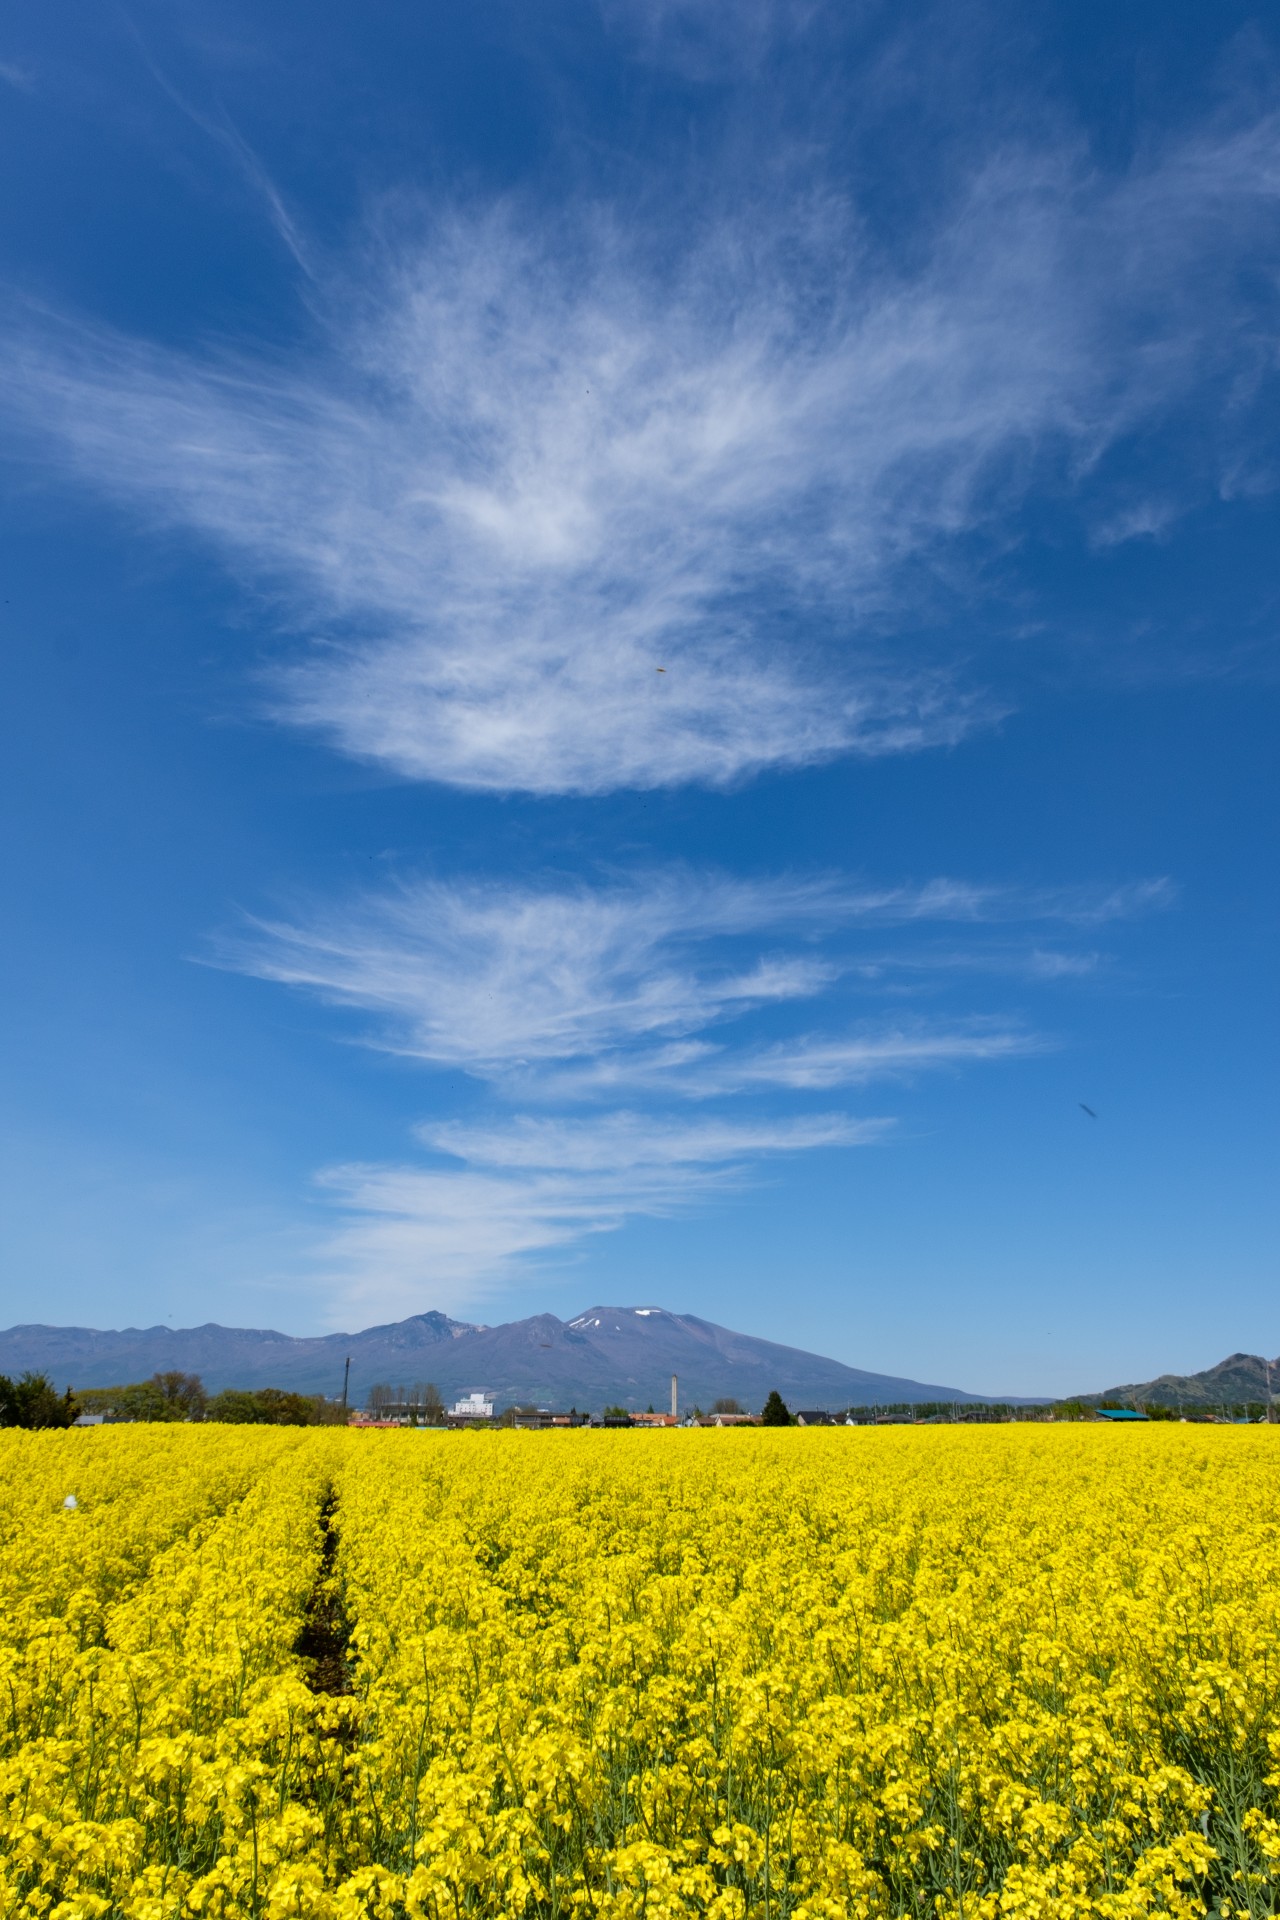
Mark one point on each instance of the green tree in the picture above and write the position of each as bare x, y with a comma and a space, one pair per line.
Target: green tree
289, 1409
270, 1407
34, 1401
235, 1407
165, 1396
184, 1392
775, 1411
144, 1400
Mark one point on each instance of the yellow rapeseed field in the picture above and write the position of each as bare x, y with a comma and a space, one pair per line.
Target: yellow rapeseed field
956, 1672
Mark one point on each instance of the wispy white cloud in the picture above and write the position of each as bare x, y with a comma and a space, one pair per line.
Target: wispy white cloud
506, 981
1047, 964
528, 1187
1094, 908
629, 1143
903, 970
1148, 518
219, 127
816, 1063
15, 75
538, 458
810, 1063
489, 977
653, 1002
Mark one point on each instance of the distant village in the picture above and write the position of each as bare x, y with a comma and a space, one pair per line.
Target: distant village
479, 1409
424, 1407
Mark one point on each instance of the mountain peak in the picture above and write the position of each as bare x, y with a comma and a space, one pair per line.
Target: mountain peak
617, 1319
606, 1354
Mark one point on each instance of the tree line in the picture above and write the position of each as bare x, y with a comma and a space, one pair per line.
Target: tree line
34, 1402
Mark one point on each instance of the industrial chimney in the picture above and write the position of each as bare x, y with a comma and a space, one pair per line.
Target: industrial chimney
675, 1410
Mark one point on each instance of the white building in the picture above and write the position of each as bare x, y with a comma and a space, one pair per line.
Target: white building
476, 1406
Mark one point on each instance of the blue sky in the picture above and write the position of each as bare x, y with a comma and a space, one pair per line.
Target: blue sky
640, 646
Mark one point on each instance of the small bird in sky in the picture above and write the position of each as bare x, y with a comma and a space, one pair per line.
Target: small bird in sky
659, 669
1089, 1110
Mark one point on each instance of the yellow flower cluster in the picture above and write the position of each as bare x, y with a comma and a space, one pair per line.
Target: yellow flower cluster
956, 1672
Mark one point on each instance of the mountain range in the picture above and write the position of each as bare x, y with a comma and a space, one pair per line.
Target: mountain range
1240, 1378
622, 1355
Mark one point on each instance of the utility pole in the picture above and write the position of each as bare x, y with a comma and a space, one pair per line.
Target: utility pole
346, 1379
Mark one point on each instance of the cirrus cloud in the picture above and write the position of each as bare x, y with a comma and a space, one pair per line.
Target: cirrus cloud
570, 991
525, 1188
578, 500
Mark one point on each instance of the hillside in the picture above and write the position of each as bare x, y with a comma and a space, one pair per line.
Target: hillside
622, 1354
1241, 1377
